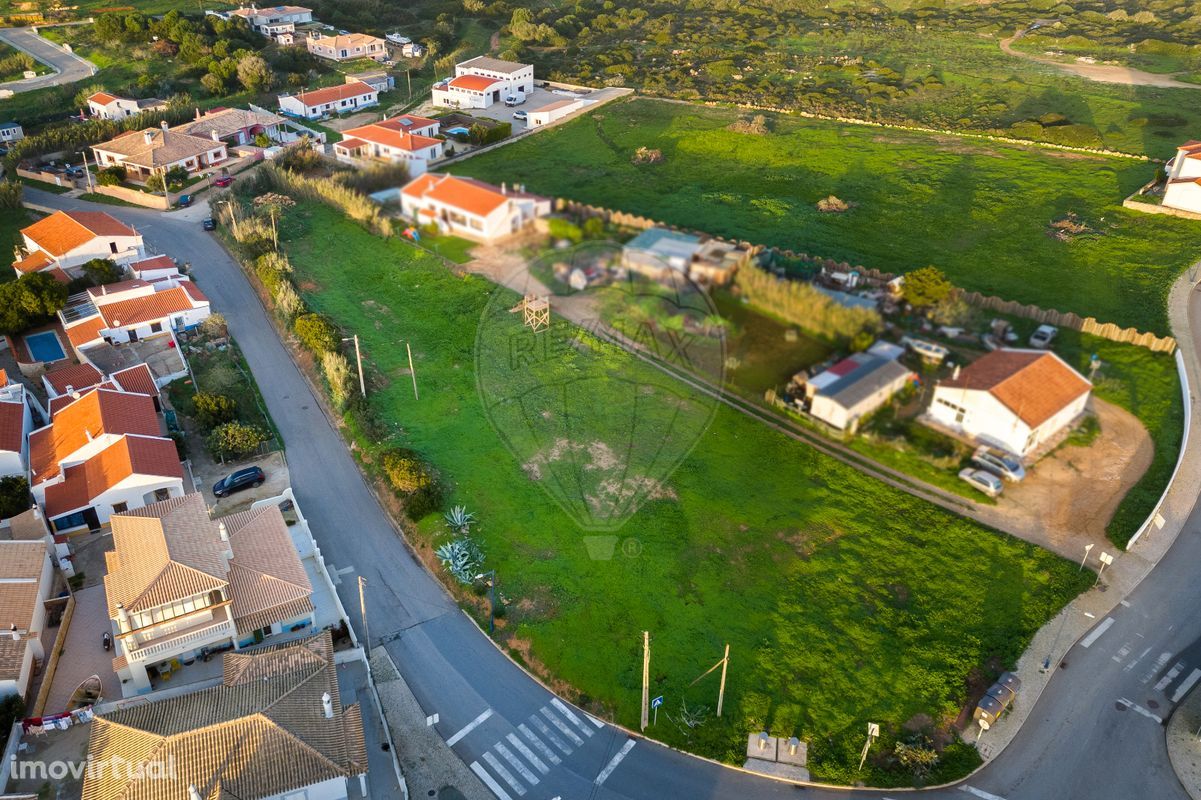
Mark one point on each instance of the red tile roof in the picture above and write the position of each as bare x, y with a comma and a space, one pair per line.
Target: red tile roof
34, 262
1034, 385
466, 194
152, 308
94, 414
103, 98
129, 455
12, 426
3, 377
474, 83
137, 378
154, 262
77, 376
85, 332
389, 133
193, 291
63, 231
410, 121
332, 94
116, 288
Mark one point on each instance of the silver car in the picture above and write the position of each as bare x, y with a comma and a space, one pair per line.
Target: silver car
984, 481
999, 462
1043, 336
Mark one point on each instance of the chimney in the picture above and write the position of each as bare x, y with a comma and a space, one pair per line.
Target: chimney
223, 532
327, 705
17, 637
70, 390
504, 188
148, 136
198, 112
193, 793
163, 124
213, 134
955, 373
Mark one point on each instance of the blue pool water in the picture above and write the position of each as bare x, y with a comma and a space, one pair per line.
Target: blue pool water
458, 131
45, 346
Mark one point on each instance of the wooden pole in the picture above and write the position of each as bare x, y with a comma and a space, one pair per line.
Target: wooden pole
646, 676
363, 611
412, 371
358, 356
721, 693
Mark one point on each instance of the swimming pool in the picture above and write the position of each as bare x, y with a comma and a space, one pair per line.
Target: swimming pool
458, 131
45, 347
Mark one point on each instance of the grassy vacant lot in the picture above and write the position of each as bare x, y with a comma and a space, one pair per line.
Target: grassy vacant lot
843, 600
11, 223
979, 211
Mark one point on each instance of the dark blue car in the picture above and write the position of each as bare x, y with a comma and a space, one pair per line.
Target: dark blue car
237, 481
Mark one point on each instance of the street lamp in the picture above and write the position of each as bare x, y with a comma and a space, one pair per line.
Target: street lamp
491, 597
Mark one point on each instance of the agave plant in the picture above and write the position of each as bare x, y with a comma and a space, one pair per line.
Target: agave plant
459, 519
461, 557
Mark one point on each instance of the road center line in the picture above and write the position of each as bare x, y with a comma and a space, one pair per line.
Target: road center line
983, 795
1185, 685
1096, 633
475, 723
489, 781
613, 762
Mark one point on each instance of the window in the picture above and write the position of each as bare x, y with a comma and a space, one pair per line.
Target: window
70, 521
120, 508
112, 247
161, 494
156, 327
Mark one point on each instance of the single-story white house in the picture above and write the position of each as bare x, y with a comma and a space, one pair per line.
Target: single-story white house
1183, 189
66, 239
341, 99
26, 578
11, 132
109, 106
1012, 399
155, 151
482, 81
469, 208
855, 387
553, 112
400, 140
131, 310
272, 16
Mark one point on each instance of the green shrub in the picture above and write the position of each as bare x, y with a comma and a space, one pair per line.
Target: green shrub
112, 176
563, 229
234, 440
272, 270
413, 480
316, 333
101, 271
214, 410
803, 305
14, 496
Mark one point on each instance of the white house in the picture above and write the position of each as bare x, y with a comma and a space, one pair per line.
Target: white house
155, 151
552, 112
482, 81
131, 310
260, 19
179, 582
26, 578
66, 239
342, 99
11, 132
401, 140
379, 79
16, 421
1183, 187
102, 454
852, 389
347, 46
469, 208
1013, 399
109, 106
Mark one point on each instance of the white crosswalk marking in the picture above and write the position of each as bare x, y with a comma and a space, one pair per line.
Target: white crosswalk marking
983, 795
561, 725
1096, 633
612, 765
468, 728
489, 781
1168, 678
1185, 685
500, 770
516, 763
567, 712
528, 753
538, 744
595, 721
555, 740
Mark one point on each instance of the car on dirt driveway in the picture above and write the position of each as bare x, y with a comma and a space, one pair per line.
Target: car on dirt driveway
999, 462
984, 481
239, 481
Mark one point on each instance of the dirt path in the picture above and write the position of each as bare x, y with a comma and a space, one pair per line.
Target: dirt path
1070, 496
1102, 73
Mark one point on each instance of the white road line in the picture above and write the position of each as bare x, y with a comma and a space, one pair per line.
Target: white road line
1187, 684
555, 740
1124, 603
528, 753
475, 723
1136, 661
489, 781
568, 713
1122, 653
562, 726
517, 763
538, 744
983, 795
1169, 677
595, 721
500, 770
613, 762
1156, 667
1097, 632
1136, 708
432, 719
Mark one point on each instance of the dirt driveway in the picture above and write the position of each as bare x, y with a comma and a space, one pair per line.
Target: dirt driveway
1069, 497
1102, 73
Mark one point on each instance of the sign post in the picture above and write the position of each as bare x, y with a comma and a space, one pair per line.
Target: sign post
873, 730
1106, 559
658, 701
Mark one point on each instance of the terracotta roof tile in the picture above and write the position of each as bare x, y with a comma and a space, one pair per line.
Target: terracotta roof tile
151, 308
12, 426
97, 292
34, 262
86, 332
474, 83
268, 583
154, 262
21, 565
129, 455
137, 378
57, 404
63, 231
78, 376
94, 414
333, 94
389, 134
103, 98
1035, 385
472, 196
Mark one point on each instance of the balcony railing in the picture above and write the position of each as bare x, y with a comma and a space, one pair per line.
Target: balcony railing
157, 651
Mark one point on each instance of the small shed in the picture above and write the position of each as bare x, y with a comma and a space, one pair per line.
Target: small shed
855, 387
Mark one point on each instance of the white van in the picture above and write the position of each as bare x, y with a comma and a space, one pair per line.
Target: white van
515, 99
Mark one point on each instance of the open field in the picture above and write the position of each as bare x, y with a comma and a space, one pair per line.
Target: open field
11, 223
979, 211
842, 600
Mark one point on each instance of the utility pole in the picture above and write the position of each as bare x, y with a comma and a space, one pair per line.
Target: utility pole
363, 611
358, 357
87, 172
721, 693
646, 677
412, 371
409, 80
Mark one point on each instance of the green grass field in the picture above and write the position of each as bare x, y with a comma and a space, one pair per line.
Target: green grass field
11, 223
843, 600
980, 211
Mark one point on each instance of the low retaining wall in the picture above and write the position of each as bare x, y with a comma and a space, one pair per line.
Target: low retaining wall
1152, 208
60, 639
134, 196
50, 177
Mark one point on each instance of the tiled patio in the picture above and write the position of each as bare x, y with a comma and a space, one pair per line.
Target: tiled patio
159, 353
83, 653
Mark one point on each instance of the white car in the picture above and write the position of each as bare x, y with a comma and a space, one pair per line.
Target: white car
1043, 336
999, 462
984, 481
521, 115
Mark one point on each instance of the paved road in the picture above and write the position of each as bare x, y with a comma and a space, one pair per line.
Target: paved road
1095, 733
68, 67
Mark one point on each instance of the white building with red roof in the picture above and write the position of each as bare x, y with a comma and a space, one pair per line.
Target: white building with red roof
63, 241
103, 453
406, 139
1183, 188
469, 208
66, 384
347, 46
26, 579
342, 99
272, 17
483, 81
104, 105
132, 310
16, 422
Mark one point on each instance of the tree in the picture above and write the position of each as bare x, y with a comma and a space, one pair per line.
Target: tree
29, 300
101, 271
255, 74
214, 410
14, 496
405, 471
234, 440
316, 333
274, 204
212, 83
926, 287
112, 176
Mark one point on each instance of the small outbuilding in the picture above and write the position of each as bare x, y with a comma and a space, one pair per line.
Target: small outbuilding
855, 387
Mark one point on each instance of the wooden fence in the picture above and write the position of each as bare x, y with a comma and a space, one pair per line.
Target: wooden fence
1089, 325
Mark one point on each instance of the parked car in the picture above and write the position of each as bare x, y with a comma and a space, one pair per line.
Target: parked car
984, 481
521, 115
223, 181
515, 99
1043, 336
999, 462
237, 481
185, 200
209, 224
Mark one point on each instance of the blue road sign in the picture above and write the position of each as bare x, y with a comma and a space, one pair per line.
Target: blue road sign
658, 701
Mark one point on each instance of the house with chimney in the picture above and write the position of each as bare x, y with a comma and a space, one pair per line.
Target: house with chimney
180, 585
65, 240
347, 46
341, 99
103, 105
233, 126
132, 310
274, 728
66, 384
26, 579
469, 208
154, 151
406, 139
104, 452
